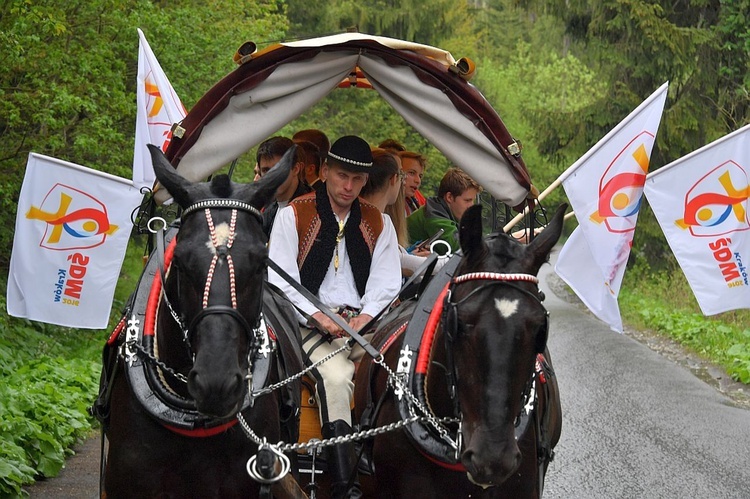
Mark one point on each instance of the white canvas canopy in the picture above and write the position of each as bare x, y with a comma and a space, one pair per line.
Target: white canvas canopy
422, 83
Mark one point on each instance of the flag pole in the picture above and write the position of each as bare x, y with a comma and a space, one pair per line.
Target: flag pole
541, 196
565, 174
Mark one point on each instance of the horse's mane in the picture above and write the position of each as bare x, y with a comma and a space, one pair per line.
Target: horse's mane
504, 248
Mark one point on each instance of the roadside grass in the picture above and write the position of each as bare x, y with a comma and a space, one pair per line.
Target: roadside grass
663, 302
49, 376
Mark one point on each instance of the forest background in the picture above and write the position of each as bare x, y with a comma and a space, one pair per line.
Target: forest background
561, 74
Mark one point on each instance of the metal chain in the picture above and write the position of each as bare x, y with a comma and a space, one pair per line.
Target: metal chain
160, 364
434, 421
393, 379
306, 370
353, 437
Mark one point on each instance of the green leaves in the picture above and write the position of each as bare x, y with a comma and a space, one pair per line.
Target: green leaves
656, 300
48, 378
43, 406
740, 352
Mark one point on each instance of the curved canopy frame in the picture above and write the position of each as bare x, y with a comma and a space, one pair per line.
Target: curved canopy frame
273, 87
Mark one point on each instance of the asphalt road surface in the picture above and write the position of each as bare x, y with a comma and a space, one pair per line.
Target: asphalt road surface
637, 420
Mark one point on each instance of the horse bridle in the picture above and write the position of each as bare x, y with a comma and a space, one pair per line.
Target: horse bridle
221, 251
451, 326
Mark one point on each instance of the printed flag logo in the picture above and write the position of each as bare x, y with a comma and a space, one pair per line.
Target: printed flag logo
701, 204
154, 102
158, 121
621, 186
158, 108
74, 219
716, 204
605, 188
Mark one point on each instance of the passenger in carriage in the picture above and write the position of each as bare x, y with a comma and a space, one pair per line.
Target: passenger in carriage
392, 145
456, 192
310, 173
344, 251
269, 153
414, 165
320, 139
385, 190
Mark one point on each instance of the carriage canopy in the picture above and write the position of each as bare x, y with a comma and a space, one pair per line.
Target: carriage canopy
424, 84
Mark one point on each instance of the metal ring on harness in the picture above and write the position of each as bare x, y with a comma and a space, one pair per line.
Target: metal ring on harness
156, 219
252, 466
437, 242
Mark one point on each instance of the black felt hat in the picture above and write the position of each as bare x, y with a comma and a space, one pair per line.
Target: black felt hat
353, 153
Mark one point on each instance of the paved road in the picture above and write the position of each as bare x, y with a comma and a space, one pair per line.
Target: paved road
636, 423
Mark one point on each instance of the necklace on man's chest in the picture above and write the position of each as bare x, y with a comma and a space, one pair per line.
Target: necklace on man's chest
339, 237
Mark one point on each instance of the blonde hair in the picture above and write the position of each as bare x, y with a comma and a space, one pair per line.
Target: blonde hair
397, 212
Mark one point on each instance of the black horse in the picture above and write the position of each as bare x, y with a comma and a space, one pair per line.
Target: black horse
170, 423
481, 377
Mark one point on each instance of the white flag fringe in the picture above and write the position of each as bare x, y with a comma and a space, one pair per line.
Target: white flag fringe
605, 188
701, 204
158, 108
72, 230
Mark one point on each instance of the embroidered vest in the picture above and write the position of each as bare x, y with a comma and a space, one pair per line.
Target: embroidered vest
317, 229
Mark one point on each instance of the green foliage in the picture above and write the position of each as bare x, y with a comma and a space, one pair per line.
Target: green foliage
540, 96
661, 300
68, 83
48, 378
414, 20
67, 89
740, 352
733, 34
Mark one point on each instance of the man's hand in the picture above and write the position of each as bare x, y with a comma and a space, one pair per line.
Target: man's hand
359, 321
325, 323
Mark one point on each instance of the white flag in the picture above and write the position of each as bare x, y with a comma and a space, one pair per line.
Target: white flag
701, 203
158, 108
72, 229
605, 188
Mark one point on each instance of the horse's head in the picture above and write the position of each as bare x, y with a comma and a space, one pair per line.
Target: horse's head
216, 278
494, 325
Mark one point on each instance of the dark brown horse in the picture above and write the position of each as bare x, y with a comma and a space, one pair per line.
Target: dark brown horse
491, 395
170, 422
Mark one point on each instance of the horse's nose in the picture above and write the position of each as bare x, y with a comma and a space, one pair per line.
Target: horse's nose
492, 470
213, 395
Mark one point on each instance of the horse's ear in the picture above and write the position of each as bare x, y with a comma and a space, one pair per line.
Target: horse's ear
537, 251
263, 191
177, 185
470, 234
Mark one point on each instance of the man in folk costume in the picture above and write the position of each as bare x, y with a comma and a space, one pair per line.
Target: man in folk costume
344, 251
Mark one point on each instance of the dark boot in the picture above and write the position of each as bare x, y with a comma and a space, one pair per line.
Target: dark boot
342, 462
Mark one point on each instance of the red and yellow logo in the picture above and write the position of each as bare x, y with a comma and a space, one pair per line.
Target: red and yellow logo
621, 186
157, 120
75, 219
716, 204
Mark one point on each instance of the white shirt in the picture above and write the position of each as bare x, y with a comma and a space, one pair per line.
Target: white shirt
338, 288
413, 262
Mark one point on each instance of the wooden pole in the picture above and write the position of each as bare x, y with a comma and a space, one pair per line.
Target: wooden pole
541, 196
